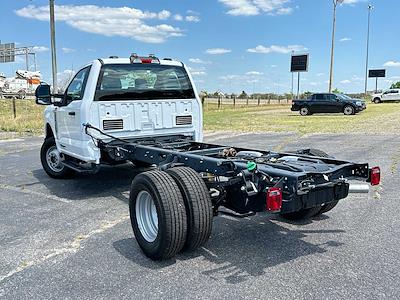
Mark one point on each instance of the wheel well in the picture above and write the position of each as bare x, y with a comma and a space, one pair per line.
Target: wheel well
377, 98
49, 131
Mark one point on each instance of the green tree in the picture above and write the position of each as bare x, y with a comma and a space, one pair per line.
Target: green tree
395, 85
337, 91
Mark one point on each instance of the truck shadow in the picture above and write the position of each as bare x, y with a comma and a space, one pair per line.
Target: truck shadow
113, 181
239, 250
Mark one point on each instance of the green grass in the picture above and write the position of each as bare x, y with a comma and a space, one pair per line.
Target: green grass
376, 119
29, 118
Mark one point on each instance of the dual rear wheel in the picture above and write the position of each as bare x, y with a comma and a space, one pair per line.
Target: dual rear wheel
170, 212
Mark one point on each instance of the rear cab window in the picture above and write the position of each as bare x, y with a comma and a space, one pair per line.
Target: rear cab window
143, 82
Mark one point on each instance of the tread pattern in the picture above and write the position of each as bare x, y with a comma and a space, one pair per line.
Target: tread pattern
172, 224
198, 206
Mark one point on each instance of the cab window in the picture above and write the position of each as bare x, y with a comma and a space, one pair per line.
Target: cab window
76, 88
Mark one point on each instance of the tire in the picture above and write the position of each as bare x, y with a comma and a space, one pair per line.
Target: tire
302, 214
304, 111
377, 100
198, 206
349, 110
51, 161
327, 207
159, 223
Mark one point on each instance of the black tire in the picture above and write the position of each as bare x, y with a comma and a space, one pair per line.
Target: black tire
302, 214
377, 100
349, 110
198, 206
62, 172
327, 207
171, 214
304, 111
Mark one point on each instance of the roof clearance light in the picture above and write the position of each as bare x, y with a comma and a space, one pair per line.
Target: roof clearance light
375, 175
151, 59
274, 199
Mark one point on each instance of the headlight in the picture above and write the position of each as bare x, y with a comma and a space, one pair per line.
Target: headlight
359, 103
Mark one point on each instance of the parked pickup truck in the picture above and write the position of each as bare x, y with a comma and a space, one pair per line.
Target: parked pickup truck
146, 112
389, 95
328, 103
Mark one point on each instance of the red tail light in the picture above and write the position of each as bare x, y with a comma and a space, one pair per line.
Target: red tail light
274, 199
375, 175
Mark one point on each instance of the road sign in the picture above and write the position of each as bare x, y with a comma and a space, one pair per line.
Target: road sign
7, 52
377, 73
299, 63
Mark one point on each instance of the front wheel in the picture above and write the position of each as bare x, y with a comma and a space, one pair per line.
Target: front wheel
304, 111
51, 160
377, 100
348, 110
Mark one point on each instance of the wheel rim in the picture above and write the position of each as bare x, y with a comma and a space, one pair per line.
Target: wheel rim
146, 216
348, 110
304, 111
54, 160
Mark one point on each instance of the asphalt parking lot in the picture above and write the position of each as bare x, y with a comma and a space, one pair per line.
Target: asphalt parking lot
72, 238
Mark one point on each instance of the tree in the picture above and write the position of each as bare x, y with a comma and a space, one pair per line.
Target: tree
395, 85
337, 91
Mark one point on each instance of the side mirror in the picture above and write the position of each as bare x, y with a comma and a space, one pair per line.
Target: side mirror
42, 94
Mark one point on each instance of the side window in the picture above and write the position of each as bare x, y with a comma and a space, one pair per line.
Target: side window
76, 88
330, 97
319, 97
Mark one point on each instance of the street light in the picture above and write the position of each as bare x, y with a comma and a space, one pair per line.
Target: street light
370, 7
335, 3
53, 46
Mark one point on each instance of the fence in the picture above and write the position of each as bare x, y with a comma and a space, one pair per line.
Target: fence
240, 102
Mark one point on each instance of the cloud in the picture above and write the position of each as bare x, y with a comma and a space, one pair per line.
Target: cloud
192, 19
345, 39
67, 50
256, 73
215, 51
178, 17
346, 81
352, 1
320, 74
256, 7
277, 49
109, 21
198, 61
40, 49
392, 63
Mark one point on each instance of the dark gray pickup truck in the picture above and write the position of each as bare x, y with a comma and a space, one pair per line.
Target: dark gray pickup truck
328, 103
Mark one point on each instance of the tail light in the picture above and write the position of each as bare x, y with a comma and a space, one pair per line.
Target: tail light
274, 199
375, 175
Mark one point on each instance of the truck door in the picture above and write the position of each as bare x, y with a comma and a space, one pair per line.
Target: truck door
318, 103
68, 116
386, 95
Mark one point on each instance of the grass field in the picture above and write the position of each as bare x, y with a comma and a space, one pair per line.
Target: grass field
378, 118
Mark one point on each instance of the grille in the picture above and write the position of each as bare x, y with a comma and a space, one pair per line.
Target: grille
113, 124
183, 120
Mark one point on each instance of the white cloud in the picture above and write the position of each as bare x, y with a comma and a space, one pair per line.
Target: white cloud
345, 39
178, 17
214, 51
392, 63
198, 61
277, 49
67, 50
40, 49
256, 73
109, 21
256, 7
198, 73
192, 19
352, 1
274, 66
346, 81
320, 74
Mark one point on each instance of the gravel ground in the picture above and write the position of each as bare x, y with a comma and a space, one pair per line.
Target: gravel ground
72, 238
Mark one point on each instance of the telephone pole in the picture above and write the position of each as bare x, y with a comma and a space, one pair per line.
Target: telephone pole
335, 3
370, 7
53, 46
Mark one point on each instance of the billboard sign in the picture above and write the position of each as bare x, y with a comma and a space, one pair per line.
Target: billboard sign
377, 73
299, 63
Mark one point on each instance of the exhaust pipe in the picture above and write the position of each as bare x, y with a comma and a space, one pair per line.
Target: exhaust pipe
362, 188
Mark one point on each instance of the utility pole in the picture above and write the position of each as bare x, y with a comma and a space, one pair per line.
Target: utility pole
370, 7
335, 3
53, 46
292, 75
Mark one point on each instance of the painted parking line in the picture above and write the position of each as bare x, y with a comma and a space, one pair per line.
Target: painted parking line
35, 193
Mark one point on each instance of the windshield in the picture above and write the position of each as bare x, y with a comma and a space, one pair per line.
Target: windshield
143, 82
343, 97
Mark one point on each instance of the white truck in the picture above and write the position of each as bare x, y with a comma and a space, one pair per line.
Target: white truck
146, 111
385, 96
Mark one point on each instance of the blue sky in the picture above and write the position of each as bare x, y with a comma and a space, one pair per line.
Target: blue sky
230, 45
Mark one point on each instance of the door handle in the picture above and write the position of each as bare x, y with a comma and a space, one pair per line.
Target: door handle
71, 113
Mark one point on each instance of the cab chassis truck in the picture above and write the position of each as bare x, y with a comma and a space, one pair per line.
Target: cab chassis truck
188, 182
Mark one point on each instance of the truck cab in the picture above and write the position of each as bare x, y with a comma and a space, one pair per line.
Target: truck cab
388, 95
130, 98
